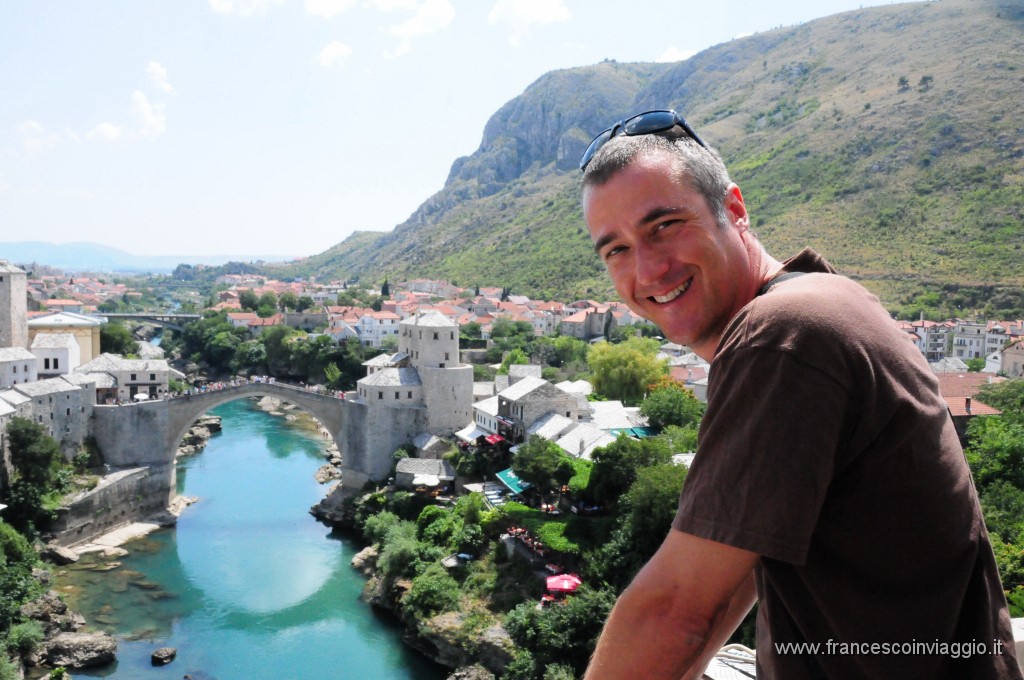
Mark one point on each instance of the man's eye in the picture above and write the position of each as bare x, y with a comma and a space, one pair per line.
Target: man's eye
613, 251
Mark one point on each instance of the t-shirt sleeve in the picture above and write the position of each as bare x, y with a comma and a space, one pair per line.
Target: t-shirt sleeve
768, 448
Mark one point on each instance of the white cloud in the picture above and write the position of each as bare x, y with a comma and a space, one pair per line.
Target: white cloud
675, 54
245, 8
150, 117
520, 15
334, 55
391, 5
106, 132
328, 8
35, 139
158, 76
431, 16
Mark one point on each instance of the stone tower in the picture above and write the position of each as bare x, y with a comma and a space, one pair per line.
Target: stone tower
432, 342
13, 311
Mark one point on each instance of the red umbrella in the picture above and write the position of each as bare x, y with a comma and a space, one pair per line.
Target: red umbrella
563, 583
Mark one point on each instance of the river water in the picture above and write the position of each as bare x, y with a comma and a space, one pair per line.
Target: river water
248, 586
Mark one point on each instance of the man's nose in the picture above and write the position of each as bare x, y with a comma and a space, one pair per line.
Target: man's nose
651, 264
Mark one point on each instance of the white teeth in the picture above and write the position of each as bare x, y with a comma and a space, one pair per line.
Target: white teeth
673, 294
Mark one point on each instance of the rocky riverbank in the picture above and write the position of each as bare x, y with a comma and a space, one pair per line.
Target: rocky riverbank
198, 436
442, 637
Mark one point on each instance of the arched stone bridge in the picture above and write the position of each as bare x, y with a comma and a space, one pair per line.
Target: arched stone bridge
184, 410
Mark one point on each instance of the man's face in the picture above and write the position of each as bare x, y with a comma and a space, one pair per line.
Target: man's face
670, 260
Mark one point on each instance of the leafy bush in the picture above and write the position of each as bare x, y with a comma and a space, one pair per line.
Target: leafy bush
25, 637
377, 526
432, 592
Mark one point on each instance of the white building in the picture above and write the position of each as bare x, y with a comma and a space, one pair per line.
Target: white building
62, 407
17, 365
132, 377
56, 353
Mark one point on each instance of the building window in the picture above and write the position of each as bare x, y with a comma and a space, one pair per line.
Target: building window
56, 363
398, 395
46, 364
380, 395
14, 369
446, 356
410, 394
435, 336
134, 378
152, 377
453, 335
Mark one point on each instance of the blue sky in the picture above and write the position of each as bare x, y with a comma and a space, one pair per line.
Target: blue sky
281, 126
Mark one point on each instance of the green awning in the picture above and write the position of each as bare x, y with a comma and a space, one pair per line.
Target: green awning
514, 484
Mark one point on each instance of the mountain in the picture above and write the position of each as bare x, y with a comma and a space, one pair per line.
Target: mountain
93, 257
887, 138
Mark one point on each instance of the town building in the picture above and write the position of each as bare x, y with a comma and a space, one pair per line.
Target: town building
56, 354
132, 379
13, 306
85, 329
17, 365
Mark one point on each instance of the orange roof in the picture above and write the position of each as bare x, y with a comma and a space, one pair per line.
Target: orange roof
958, 407
964, 384
61, 302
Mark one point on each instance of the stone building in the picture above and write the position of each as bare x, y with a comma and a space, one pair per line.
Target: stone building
421, 388
13, 306
62, 407
17, 365
85, 329
57, 354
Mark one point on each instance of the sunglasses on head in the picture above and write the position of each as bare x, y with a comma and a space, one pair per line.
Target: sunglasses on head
647, 123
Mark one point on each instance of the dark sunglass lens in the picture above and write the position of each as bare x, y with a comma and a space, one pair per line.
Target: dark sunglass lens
652, 121
595, 146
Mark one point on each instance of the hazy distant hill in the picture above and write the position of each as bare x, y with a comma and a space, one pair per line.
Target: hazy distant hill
93, 257
888, 138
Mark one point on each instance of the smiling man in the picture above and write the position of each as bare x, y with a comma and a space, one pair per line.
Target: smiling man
829, 483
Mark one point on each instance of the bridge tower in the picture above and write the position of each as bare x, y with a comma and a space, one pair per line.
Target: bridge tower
13, 306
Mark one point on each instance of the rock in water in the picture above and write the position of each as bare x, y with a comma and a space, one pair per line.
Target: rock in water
163, 656
80, 650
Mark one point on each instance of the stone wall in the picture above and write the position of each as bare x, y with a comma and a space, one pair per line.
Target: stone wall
448, 393
120, 499
133, 435
370, 434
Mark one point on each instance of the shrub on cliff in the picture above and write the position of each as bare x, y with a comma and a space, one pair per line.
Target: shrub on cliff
432, 592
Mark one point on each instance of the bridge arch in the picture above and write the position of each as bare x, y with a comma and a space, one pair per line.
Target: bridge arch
185, 410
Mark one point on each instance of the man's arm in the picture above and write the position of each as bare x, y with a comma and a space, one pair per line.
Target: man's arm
685, 602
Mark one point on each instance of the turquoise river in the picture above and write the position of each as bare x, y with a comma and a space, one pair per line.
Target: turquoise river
248, 586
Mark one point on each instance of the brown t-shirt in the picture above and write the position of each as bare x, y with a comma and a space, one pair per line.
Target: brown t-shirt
827, 449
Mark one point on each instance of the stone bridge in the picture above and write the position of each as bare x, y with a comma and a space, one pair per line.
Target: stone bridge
183, 411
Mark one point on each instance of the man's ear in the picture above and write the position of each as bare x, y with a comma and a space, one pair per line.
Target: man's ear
736, 209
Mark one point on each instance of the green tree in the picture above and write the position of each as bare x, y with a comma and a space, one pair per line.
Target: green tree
116, 339
37, 461
268, 300
616, 466
543, 464
304, 302
17, 558
248, 299
680, 439
432, 592
1007, 396
902, 85
996, 450
288, 301
976, 364
516, 356
624, 371
670, 403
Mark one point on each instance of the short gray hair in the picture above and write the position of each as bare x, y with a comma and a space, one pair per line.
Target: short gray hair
701, 166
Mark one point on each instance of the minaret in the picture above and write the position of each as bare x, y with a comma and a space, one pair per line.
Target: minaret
13, 310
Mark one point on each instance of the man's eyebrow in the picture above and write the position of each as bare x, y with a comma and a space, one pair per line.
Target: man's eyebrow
653, 215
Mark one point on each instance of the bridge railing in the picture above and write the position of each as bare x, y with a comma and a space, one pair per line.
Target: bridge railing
257, 380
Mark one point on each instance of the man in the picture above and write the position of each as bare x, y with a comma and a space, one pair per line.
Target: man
828, 484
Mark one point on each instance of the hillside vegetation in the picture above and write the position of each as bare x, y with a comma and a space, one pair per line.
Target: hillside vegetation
887, 138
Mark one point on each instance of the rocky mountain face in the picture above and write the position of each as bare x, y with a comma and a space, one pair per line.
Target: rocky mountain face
888, 138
